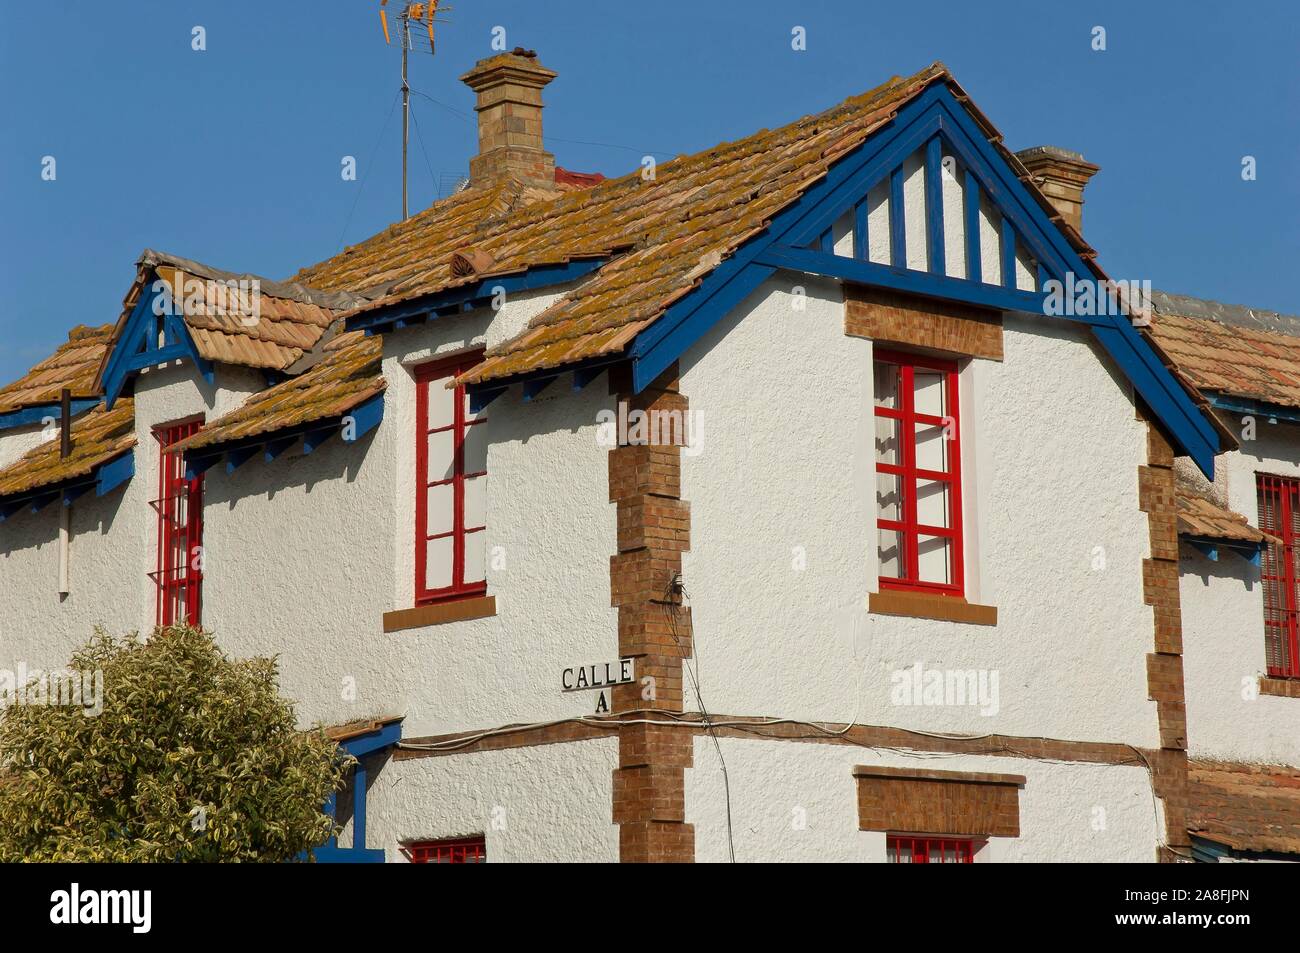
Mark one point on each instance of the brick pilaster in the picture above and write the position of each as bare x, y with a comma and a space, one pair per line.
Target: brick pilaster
1165, 665
654, 627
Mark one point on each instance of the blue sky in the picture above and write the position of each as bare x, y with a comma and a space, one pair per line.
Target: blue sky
232, 155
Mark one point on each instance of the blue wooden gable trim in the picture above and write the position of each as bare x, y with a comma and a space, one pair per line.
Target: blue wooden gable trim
364, 418
103, 479
40, 413
331, 853
148, 340
468, 297
933, 117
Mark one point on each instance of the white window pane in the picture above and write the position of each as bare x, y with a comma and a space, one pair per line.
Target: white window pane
889, 497
934, 559
932, 447
932, 503
890, 544
476, 556
929, 391
887, 440
441, 455
476, 448
437, 570
475, 501
886, 384
442, 403
441, 509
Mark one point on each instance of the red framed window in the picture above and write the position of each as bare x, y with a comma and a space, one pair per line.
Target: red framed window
464, 850
1279, 514
905, 849
451, 486
918, 474
179, 505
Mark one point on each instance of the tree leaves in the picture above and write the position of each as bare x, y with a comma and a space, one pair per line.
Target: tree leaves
195, 757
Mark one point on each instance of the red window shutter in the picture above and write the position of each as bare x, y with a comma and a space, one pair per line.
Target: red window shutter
179, 505
450, 487
464, 850
918, 474
1279, 514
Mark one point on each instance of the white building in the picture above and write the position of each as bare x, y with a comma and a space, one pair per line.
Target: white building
757, 505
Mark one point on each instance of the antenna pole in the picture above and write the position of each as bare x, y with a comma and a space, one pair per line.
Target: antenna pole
406, 103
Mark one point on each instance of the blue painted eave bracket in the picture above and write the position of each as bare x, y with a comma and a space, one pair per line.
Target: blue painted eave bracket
103, 479
351, 427
1254, 408
380, 739
468, 297
42, 413
146, 341
1210, 548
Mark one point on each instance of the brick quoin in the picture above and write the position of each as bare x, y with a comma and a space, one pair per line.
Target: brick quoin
1165, 665
654, 627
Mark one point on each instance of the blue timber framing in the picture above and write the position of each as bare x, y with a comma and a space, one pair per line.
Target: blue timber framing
147, 340
351, 427
1254, 408
934, 114
468, 297
43, 413
381, 739
1209, 548
103, 479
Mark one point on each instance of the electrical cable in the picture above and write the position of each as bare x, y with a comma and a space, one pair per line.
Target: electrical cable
361, 186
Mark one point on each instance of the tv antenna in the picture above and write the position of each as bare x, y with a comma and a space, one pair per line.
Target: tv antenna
425, 13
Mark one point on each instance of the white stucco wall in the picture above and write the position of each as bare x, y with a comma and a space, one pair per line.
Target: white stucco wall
16, 441
543, 804
1223, 621
797, 802
1051, 450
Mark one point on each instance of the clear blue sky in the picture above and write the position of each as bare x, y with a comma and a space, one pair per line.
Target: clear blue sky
232, 155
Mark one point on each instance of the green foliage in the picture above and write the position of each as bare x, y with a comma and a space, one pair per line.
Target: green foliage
194, 758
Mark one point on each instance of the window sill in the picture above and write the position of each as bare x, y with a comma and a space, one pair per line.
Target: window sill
459, 610
920, 605
1284, 687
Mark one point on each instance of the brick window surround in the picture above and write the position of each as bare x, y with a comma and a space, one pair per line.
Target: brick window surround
461, 850
941, 803
918, 474
179, 539
450, 487
1279, 514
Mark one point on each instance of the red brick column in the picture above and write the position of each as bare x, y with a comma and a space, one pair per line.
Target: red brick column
654, 628
1165, 665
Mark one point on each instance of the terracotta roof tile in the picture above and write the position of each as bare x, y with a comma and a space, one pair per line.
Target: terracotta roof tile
98, 436
1247, 807
1199, 516
74, 365
1228, 359
345, 378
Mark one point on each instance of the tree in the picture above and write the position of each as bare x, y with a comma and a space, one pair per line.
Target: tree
194, 757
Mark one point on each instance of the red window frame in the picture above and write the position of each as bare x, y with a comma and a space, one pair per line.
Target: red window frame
461, 850
425, 375
179, 505
909, 849
907, 472
1279, 514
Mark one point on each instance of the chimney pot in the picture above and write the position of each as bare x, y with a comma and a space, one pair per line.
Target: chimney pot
509, 106
1061, 175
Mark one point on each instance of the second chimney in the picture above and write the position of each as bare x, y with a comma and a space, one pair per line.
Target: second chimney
509, 107
1061, 175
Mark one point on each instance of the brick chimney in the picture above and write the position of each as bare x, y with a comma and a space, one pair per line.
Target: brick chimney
509, 107
1061, 175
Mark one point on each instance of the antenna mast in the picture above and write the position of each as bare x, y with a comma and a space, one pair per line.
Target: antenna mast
417, 12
